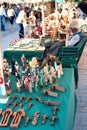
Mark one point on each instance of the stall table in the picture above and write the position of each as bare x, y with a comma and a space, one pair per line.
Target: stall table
65, 114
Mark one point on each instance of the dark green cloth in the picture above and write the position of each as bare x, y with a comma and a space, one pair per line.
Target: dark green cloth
65, 114
16, 54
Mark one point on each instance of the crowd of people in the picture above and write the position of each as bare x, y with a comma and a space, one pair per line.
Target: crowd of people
30, 20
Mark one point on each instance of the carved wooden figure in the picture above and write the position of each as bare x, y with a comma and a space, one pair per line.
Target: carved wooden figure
17, 118
28, 99
36, 116
53, 119
30, 105
27, 121
55, 110
44, 118
53, 72
48, 92
18, 83
53, 103
8, 104
57, 87
39, 99
13, 98
5, 117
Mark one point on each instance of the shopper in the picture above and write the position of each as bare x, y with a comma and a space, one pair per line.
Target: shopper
2, 17
20, 19
11, 14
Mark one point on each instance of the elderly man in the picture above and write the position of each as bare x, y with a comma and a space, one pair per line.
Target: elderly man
73, 36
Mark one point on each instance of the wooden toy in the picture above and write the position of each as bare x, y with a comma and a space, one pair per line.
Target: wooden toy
30, 105
53, 119
18, 83
17, 118
23, 60
55, 110
57, 87
28, 99
50, 93
53, 103
7, 105
36, 116
27, 121
39, 99
44, 118
14, 105
5, 118
8, 85
13, 98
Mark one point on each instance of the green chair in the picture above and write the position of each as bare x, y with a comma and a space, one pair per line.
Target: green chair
69, 56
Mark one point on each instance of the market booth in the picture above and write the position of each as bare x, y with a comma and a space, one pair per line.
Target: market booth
58, 107
65, 103
43, 107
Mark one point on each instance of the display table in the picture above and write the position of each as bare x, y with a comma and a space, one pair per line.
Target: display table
65, 114
29, 47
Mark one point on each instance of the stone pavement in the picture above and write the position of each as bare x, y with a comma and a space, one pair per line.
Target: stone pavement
81, 92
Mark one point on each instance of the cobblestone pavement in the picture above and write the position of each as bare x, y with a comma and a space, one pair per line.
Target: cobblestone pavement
81, 92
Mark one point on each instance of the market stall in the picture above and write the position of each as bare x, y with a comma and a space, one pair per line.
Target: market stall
66, 107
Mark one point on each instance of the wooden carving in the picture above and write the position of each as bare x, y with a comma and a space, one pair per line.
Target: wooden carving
53, 119
48, 92
17, 118
57, 87
39, 99
27, 121
49, 102
30, 105
5, 117
55, 110
36, 116
44, 118
28, 99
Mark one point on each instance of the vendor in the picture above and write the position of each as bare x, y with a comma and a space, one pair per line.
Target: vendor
73, 36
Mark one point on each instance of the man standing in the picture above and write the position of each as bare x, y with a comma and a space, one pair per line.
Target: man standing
20, 20
2, 17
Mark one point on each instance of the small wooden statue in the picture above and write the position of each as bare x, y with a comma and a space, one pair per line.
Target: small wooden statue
18, 83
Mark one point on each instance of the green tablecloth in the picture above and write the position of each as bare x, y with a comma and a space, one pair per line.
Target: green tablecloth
65, 114
16, 54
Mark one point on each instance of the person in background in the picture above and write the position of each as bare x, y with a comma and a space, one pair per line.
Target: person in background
2, 16
20, 19
82, 9
11, 14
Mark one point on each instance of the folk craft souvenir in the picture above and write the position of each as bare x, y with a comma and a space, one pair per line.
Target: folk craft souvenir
8, 85
35, 119
5, 117
23, 60
18, 83
18, 115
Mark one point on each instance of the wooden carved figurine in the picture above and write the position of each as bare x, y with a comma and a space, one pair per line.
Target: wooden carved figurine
44, 118
27, 121
53, 119
57, 87
17, 118
28, 99
48, 92
36, 116
55, 110
30, 105
18, 83
5, 117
